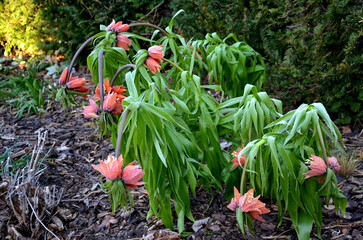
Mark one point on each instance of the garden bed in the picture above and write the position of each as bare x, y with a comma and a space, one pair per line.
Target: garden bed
84, 211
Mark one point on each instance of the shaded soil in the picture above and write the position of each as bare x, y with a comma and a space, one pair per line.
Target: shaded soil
84, 211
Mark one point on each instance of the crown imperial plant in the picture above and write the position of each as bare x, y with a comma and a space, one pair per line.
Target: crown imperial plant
173, 126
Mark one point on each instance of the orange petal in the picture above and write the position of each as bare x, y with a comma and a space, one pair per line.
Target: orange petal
62, 79
153, 65
123, 42
106, 86
237, 195
110, 102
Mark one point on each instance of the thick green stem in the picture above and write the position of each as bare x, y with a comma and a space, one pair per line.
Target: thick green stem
148, 25
322, 144
171, 63
243, 177
120, 132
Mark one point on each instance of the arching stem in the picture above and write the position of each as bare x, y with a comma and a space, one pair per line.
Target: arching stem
148, 25
120, 70
76, 55
171, 63
243, 178
100, 76
120, 132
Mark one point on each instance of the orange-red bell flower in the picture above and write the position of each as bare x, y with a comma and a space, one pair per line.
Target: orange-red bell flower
247, 203
92, 110
156, 52
154, 65
111, 168
238, 161
155, 56
317, 166
120, 90
131, 175
123, 42
117, 27
118, 107
333, 164
112, 103
75, 82
62, 79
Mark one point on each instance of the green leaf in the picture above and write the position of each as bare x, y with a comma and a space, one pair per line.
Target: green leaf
145, 74
158, 150
103, 28
181, 216
240, 220
131, 88
133, 35
305, 225
191, 178
161, 113
329, 175
169, 29
181, 104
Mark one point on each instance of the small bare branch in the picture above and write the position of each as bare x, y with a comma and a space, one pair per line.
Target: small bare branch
40, 221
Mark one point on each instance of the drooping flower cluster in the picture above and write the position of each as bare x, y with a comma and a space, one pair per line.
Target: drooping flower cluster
247, 203
74, 83
318, 167
238, 161
112, 103
112, 169
155, 57
118, 28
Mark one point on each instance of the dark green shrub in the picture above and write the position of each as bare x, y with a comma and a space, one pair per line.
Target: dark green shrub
72, 22
313, 49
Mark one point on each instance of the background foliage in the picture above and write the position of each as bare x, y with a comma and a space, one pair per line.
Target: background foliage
313, 49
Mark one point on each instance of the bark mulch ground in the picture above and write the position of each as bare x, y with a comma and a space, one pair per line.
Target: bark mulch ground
84, 210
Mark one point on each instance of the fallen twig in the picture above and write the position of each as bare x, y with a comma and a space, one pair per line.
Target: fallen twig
39, 220
353, 224
338, 236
